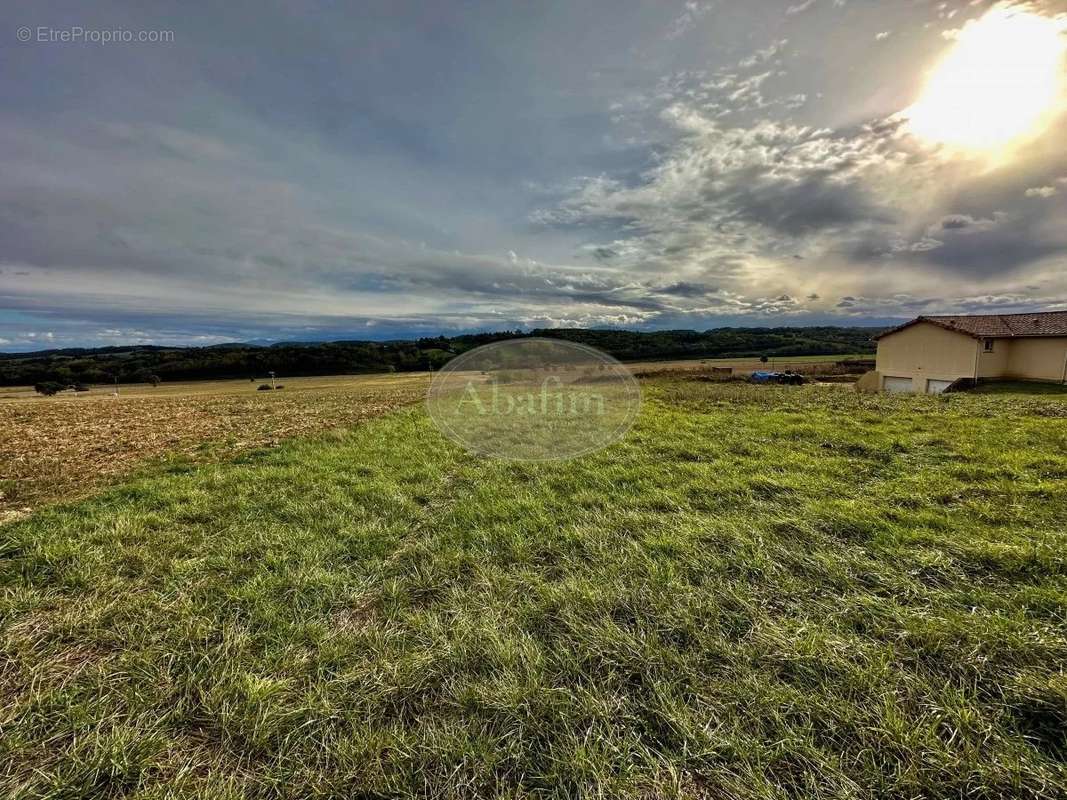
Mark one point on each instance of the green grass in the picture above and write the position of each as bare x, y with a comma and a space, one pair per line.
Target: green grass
763, 592
1020, 387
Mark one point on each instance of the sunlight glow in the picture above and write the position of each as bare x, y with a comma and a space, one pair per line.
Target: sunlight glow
1001, 83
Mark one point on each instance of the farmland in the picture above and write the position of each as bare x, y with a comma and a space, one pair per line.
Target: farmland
63, 447
761, 592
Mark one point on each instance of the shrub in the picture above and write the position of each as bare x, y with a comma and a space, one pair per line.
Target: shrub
49, 388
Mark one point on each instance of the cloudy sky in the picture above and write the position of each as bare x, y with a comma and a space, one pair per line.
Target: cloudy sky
284, 169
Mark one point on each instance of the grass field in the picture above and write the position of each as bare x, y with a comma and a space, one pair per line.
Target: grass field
69, 445
762, 592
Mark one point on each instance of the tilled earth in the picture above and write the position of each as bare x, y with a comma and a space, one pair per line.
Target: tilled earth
64, 447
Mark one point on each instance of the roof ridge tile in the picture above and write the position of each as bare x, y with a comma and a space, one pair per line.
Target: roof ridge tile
993, 326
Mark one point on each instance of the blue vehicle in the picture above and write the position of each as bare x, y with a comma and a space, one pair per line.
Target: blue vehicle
785, 378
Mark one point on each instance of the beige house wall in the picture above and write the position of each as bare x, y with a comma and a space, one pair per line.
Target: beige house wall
1036, 358
995, 364
927, 352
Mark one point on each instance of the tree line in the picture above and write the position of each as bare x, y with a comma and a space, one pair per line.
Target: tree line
152, 364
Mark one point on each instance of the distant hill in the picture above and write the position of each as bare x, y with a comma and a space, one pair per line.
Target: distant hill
135, 364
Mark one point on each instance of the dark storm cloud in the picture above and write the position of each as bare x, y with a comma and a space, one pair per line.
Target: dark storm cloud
980, 244
999, 251
687, 289
957, 222
809, 205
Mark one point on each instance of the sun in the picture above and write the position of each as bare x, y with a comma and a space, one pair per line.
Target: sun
1002, 82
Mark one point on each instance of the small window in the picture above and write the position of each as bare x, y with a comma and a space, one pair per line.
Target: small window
988, 345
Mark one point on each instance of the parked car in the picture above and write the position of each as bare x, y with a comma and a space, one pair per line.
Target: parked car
786, 378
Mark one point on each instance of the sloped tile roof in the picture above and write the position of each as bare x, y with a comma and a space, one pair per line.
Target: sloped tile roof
997, 326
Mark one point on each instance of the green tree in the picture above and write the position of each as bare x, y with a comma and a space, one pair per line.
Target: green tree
48, 388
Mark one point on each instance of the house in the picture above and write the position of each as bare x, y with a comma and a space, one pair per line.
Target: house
928, 354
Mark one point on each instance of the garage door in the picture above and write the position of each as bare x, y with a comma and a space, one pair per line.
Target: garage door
896, 385
936, 387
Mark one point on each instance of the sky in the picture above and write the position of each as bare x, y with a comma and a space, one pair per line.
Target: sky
284, 170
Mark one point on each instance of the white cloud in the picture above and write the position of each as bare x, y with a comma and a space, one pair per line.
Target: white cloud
1042, 191
733, 205
692, 13
925, 244
882, 36
800, 8
966, 224
764, 55
733, 89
